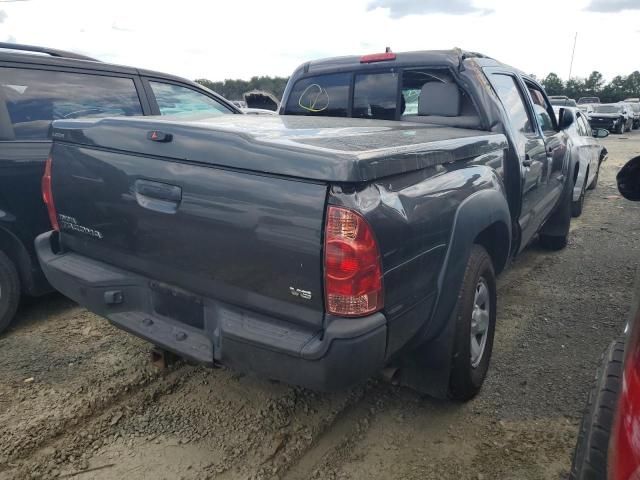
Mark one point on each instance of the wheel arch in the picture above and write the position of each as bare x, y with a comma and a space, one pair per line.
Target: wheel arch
17, 253
481, 219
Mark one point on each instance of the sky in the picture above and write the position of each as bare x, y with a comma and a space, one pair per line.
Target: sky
242, 38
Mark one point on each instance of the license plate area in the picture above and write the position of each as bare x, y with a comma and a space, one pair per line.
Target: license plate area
177, 305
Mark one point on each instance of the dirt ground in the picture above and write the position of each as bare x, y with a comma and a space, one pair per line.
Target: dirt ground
79, 399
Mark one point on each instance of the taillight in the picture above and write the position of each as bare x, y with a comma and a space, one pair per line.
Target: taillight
352, 270
47, 195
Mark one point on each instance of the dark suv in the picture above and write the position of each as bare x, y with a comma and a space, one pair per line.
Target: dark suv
38, 85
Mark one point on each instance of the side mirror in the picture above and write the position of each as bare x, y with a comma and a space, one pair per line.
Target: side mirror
629, 180
600, 132
566, 118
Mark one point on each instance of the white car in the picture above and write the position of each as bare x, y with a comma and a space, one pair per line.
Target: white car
586, 146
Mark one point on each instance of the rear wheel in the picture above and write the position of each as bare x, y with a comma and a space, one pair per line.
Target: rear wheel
9, 291
590, 457
475, 323
577, 205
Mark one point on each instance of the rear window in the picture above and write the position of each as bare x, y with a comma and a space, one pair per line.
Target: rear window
325, 95
375, 96
607, 109
31, 99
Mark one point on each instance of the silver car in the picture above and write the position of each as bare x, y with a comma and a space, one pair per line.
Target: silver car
590, 153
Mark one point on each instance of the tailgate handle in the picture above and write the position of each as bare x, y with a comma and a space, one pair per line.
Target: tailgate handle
160, 197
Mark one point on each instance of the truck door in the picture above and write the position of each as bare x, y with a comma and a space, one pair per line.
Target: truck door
555, 147
529, 146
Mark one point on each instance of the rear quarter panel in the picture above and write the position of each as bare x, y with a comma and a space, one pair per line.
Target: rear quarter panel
413, 217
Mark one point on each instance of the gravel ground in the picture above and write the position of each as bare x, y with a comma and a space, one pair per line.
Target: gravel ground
79, 399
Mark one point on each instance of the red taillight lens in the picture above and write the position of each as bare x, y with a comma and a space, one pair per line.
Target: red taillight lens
47, 195
378, 57
352, 270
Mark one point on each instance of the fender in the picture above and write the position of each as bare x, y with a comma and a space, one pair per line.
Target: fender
427, 368
31, 276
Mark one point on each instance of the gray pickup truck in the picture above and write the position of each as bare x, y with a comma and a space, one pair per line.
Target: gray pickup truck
310, 249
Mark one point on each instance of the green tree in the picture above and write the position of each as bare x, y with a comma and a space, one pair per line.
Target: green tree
593, 84
632, 85
574, 88
614, 91
234, 89
553, 85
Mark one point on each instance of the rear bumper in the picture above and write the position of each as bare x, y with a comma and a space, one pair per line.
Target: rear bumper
345, 352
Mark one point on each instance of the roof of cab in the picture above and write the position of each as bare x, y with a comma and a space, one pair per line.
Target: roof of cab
451, 57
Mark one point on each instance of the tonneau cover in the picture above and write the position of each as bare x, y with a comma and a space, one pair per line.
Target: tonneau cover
313, 148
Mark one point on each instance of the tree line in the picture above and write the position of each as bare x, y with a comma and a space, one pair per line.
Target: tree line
233, 89
619, 88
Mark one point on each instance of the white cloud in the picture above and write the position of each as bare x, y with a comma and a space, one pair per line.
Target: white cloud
402, 8
613, 5
219, 40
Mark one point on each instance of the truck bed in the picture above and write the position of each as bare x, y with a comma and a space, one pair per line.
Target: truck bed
320, 148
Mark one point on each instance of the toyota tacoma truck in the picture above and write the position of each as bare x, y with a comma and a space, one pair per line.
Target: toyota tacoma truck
311, 249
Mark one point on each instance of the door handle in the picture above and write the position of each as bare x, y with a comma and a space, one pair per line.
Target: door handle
527, 160
157, 196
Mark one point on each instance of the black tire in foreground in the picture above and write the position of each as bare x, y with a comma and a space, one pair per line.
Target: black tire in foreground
474, 316
590, 457
9, 291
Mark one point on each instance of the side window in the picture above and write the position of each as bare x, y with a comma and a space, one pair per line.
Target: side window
585, 128
324, 95
375, 95
31, 99
511, 98
177, 100
542, 109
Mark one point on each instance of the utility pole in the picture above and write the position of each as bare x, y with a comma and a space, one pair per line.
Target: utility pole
575, 40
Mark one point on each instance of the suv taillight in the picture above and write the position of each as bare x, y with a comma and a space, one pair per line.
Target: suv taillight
47, 195
352, 270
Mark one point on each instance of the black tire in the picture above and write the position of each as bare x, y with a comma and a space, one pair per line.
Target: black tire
466, 380
590, 457
577, 206
9, 291
552, 242
594, 182
621, 128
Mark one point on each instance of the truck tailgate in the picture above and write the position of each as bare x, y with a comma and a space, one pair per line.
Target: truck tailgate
250, 239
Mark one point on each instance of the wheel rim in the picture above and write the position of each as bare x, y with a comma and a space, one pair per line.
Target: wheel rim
480, 318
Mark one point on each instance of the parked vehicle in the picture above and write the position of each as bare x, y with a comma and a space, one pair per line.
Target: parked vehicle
587, 109
585, 146
588, 100
635, 109
608, 444
611, 116
257, 111
564, 102
38, 85
317, 250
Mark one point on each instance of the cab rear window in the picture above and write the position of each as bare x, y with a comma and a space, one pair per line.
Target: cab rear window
324, 95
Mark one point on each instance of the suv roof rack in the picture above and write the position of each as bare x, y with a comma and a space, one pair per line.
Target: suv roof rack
49, 51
